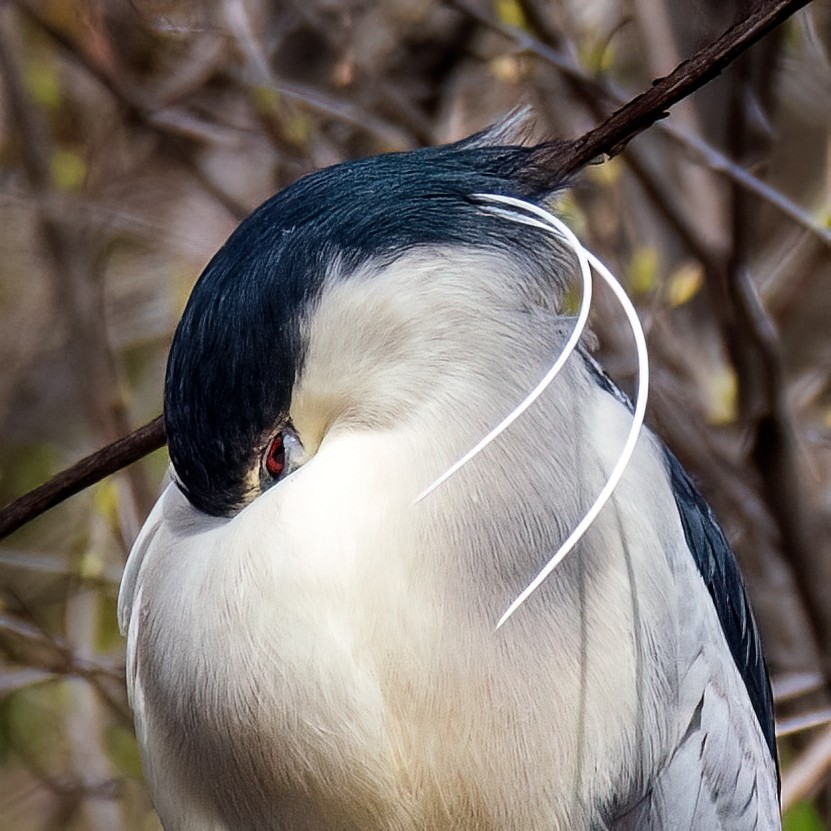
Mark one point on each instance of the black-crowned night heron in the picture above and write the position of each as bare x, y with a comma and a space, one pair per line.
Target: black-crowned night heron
313, 641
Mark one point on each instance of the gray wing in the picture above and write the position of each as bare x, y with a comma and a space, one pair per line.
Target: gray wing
716, 780
717, 564
722, 775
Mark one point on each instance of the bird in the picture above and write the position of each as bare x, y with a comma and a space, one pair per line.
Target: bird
316, 630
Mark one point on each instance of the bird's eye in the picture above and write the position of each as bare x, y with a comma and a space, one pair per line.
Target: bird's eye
275, 460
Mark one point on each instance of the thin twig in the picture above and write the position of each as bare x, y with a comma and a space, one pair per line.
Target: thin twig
719, 163
147, 111
804, 721
807, 771
134, 101
775, 454
55, 654
795, 685
242, 29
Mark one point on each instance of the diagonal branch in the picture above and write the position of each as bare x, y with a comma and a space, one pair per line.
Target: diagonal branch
89, 470
644, 110
599, 94
608, 138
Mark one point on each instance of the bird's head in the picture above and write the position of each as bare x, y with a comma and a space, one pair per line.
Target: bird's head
351, 298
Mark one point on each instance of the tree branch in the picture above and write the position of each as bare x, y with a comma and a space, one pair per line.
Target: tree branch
607, 138
598, 95
82, 474
644, 110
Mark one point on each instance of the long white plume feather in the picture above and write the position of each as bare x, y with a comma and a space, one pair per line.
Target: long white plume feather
549, 223
537, 217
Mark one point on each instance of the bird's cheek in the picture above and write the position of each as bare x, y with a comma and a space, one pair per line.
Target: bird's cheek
326, 513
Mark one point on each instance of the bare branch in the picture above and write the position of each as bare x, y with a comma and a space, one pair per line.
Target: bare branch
82, 474
151, 112
794, 685
595, 93
719, 163
644, 110
808, 771
242, 29
804, 721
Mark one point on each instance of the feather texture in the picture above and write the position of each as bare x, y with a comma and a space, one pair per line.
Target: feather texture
325, 657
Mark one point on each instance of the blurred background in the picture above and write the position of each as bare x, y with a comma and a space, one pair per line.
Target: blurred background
135, 135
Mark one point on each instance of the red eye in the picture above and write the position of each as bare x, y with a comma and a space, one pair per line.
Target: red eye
275, 461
